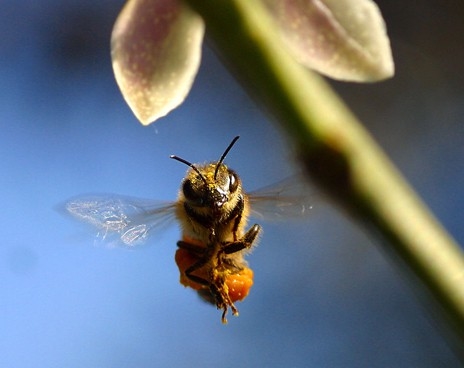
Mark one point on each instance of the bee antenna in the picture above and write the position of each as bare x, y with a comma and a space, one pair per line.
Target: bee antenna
191, 165
219, 163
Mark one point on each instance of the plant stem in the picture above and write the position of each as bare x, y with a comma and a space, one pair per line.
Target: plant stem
335, 149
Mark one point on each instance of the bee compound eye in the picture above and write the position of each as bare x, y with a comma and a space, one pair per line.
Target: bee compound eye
190, 193
233, 182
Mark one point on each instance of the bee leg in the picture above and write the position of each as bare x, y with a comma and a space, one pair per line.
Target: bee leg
223, 300
222, 297
196, 249
203, 259
217, 293
225, 310
216, 285
195, 278
244, 242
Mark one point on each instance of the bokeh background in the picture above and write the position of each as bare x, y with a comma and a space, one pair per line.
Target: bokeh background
325, 294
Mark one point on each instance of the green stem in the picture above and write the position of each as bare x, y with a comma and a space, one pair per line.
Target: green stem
335, 149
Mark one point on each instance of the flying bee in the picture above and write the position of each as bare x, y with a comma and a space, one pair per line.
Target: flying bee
212, 209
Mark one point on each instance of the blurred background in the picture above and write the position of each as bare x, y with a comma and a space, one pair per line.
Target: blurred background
325, 294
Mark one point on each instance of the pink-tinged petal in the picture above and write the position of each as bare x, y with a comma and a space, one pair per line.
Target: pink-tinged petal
343, 39
156, 52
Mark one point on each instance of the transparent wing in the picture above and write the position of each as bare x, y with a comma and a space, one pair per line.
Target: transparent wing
289, 198
121, 219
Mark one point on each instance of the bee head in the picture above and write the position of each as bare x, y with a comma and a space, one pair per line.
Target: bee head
211, 185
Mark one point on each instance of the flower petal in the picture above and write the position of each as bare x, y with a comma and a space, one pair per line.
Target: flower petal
156, 52
343, 39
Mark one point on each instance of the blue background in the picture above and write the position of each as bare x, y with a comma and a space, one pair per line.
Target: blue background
325, 295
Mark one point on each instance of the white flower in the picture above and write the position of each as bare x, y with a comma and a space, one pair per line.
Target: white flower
156, 46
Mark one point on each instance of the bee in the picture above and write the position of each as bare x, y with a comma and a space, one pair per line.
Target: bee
212, 210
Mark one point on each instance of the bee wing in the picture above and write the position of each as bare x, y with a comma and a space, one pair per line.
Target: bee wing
127, 220
289, 198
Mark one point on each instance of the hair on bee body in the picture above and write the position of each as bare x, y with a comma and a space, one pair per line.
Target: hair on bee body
213, 211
